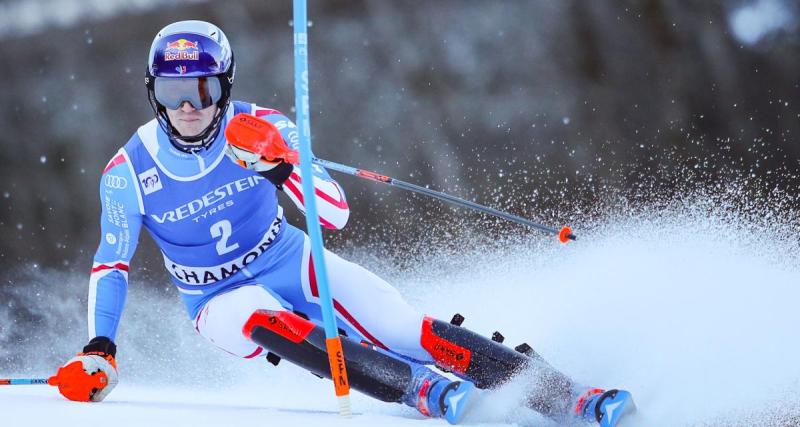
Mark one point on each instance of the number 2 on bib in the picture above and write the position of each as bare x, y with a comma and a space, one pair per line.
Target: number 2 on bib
223, 231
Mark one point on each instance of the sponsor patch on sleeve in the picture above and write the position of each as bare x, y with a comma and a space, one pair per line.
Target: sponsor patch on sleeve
150, 181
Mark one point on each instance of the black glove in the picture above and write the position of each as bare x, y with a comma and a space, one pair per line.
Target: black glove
101, 345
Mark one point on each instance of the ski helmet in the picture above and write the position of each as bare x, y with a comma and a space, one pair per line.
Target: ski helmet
190, 61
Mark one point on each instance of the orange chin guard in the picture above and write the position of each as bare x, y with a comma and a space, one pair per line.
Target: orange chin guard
76, 384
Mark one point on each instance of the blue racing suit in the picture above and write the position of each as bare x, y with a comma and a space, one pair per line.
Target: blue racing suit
212, 219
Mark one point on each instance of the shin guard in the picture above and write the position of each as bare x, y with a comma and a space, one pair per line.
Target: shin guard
370, 371
490, 364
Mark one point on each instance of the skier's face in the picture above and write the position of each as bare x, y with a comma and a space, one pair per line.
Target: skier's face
190, 121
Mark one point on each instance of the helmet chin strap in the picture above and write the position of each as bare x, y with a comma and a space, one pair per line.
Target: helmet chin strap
201, 141
189, 144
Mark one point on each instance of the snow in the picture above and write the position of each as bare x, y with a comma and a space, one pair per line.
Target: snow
756, 20
692, 309
142, 406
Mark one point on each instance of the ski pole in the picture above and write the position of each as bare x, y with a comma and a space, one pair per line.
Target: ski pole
301, 89
564, 234
23, 381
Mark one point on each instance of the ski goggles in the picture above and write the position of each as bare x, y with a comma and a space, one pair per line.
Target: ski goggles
201, 92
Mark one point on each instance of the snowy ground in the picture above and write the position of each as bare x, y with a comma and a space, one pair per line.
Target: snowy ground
691, 311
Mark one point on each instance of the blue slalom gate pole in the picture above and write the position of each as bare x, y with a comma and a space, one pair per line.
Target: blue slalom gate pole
301, 90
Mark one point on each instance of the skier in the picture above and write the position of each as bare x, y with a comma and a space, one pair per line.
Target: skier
246, 276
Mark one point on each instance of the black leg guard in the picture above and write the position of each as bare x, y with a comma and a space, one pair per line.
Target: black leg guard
490, 364
303, 343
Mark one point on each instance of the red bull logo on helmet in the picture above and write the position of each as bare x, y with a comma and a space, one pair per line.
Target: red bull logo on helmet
182, 50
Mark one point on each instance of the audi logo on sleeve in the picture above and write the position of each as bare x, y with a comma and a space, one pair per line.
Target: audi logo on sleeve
115, 182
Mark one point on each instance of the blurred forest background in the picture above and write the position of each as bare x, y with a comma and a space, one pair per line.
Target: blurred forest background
544, 108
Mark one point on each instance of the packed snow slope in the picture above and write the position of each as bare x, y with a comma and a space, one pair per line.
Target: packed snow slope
692, 307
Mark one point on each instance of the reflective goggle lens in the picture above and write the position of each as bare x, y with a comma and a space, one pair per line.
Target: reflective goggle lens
201, 92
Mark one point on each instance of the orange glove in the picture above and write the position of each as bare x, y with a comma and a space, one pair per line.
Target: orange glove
258, 137
90, 375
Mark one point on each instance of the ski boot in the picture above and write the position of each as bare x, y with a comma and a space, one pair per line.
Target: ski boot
604, 407
436, 396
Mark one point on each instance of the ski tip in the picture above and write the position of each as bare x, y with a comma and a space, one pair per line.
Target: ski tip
565, 235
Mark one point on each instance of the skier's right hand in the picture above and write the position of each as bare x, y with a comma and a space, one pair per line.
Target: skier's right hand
91, 374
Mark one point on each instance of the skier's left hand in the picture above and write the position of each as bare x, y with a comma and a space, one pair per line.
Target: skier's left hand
257, 143
89, 376
249, 160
